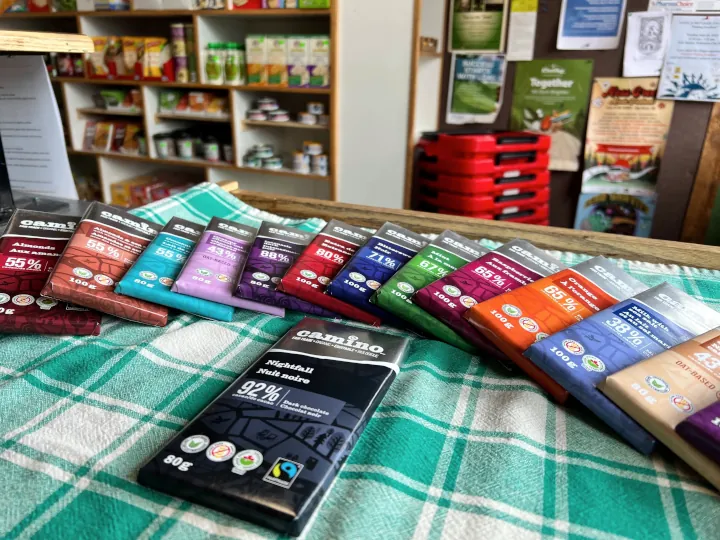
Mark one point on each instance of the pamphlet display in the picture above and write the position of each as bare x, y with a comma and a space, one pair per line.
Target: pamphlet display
648, 35
475, 88
477, 25
590, 24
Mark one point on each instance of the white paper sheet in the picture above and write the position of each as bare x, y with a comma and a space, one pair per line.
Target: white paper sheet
684, 6
648, 35
521, 31
590, 24
31, 130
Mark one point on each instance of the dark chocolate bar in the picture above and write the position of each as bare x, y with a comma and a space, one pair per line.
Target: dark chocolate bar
702, 430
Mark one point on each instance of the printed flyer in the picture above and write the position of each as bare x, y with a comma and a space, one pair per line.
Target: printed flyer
616, 213
475, 89
648, 36
477, 25
590, 24
521, 30
551, 97
692, 65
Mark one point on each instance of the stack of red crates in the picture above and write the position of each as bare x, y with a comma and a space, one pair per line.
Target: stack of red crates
501, 176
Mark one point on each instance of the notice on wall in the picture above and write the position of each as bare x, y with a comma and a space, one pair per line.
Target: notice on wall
551, 97
616, 213
692, 64
684, 6
590, 24
477, 25
521, 30
475, 89
648, 35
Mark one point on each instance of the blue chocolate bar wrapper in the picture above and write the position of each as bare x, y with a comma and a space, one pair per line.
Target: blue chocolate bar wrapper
154, 272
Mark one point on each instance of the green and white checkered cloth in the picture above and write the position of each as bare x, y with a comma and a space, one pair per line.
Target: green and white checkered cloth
457, 449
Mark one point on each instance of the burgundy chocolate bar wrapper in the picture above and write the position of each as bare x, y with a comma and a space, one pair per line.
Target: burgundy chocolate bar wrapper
308, 278
274, 251
105, 245
216, 263
702, 430
29, 250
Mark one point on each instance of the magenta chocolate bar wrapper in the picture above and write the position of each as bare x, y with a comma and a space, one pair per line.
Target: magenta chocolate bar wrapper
274, 251
702, 429
213, 268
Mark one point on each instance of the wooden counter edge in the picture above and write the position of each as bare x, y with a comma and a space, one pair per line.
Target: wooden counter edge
591, 243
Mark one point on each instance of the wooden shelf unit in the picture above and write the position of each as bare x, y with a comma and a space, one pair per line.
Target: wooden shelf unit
194, 117
109, 112
195, 86
292, 125
173, 13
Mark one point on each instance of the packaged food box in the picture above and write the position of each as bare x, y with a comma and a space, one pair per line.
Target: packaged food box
215, 265
105, 245
154, 272
157, 62
702, 430
245, 4
309, 277
121, 192
277, 69
256, 58
664, 391
516, 319
447, 253
298, 61
106, 56
169, 100
217, 106
319, 62
198, 102
275, 249
130, 145
89, 135
29, 250
583, 355
313, 4
102, 141
321, 382
132, 51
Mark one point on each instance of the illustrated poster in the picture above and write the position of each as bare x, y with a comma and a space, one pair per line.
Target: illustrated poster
615, 213
475, 89
477, 25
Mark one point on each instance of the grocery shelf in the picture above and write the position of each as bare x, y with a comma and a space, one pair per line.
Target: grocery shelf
297, 125
113, 112
197, 117
173, 13
283, 172
166, 84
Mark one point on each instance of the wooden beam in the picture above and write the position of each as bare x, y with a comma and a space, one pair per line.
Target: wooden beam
591, 243
42, 42
707, 181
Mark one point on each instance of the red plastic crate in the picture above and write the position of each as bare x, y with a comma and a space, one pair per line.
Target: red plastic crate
502, 164
481, 145
520, 214
481, 185
486, 203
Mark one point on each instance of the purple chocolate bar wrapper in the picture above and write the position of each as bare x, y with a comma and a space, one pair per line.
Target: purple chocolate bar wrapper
213, 268
274, 251
702, 430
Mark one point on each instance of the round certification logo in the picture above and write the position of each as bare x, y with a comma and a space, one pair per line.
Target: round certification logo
406, 287
104, 280
355, 276
23, 299
309, 274
194, 444
150, 276
526, 323
46, 303
4, 298
373, 284
512, 311
222, 277
166, 281
451, 290
573, 347
324, 280
259, 276
82, 273
204, 272
657, 384
220, 451
593, 363
681, 403
467, 301
248, 460
540, 336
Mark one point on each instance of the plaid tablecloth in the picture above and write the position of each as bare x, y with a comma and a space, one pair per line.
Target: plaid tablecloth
458, 448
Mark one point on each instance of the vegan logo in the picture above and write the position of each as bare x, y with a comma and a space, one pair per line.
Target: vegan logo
451, 290
308, 274
150, 276
593, 363
405, 287
681, 403
657, 384
194, 444
512, 311
283, 473
573, 347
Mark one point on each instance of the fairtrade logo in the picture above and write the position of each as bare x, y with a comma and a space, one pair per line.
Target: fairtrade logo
657, 384
104, 280
166, 281
259, 276
373, 284
194, 444
573, 347
220, 451
467, 301
681, 403
248, 460
359, 278
405, 287
540, 336
46, 303
283, 473
150, 276
593, 363
309, 274
23, 299
82, 273
4, 298
512, 311
526, 323
451, 290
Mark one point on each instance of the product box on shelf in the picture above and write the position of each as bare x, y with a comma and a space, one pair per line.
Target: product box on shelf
106, 244
121, 192
321, 382
313, 4
702, 428
583, 355
277, 61
319, 61
29, 250
245, 4
298, 61
156, 60
448, 252
256, 59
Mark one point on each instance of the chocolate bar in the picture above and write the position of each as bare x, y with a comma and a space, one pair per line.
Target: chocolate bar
269, 447
29, 249
702, 430
448, 252
583, 355
154, 272
373, 264
274, 251
319, 264
105, 245
214, 267
664, 391
515, 320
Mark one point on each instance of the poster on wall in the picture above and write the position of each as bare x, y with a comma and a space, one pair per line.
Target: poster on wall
648, 35
684, 6
475, 89
551, 97
521, 30
590, 24
477, 25
616, 213
692, 65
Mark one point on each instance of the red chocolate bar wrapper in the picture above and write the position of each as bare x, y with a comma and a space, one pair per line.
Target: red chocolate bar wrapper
29, 249
106, 244
313, 270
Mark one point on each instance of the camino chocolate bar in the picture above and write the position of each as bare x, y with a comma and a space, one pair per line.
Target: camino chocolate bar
29, 249
661, 392
373, 264
319, 264
213, 268
275, 249
583, 355
271, 445
154, 272
515, 320
702, 430
105, 245
448, 252
510, 266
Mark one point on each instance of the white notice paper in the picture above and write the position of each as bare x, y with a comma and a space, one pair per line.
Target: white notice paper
593, 25
684, 6
31, 130
521, 31
648, 35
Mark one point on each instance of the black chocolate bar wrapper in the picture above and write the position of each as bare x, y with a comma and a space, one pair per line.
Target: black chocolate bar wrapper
268, 448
